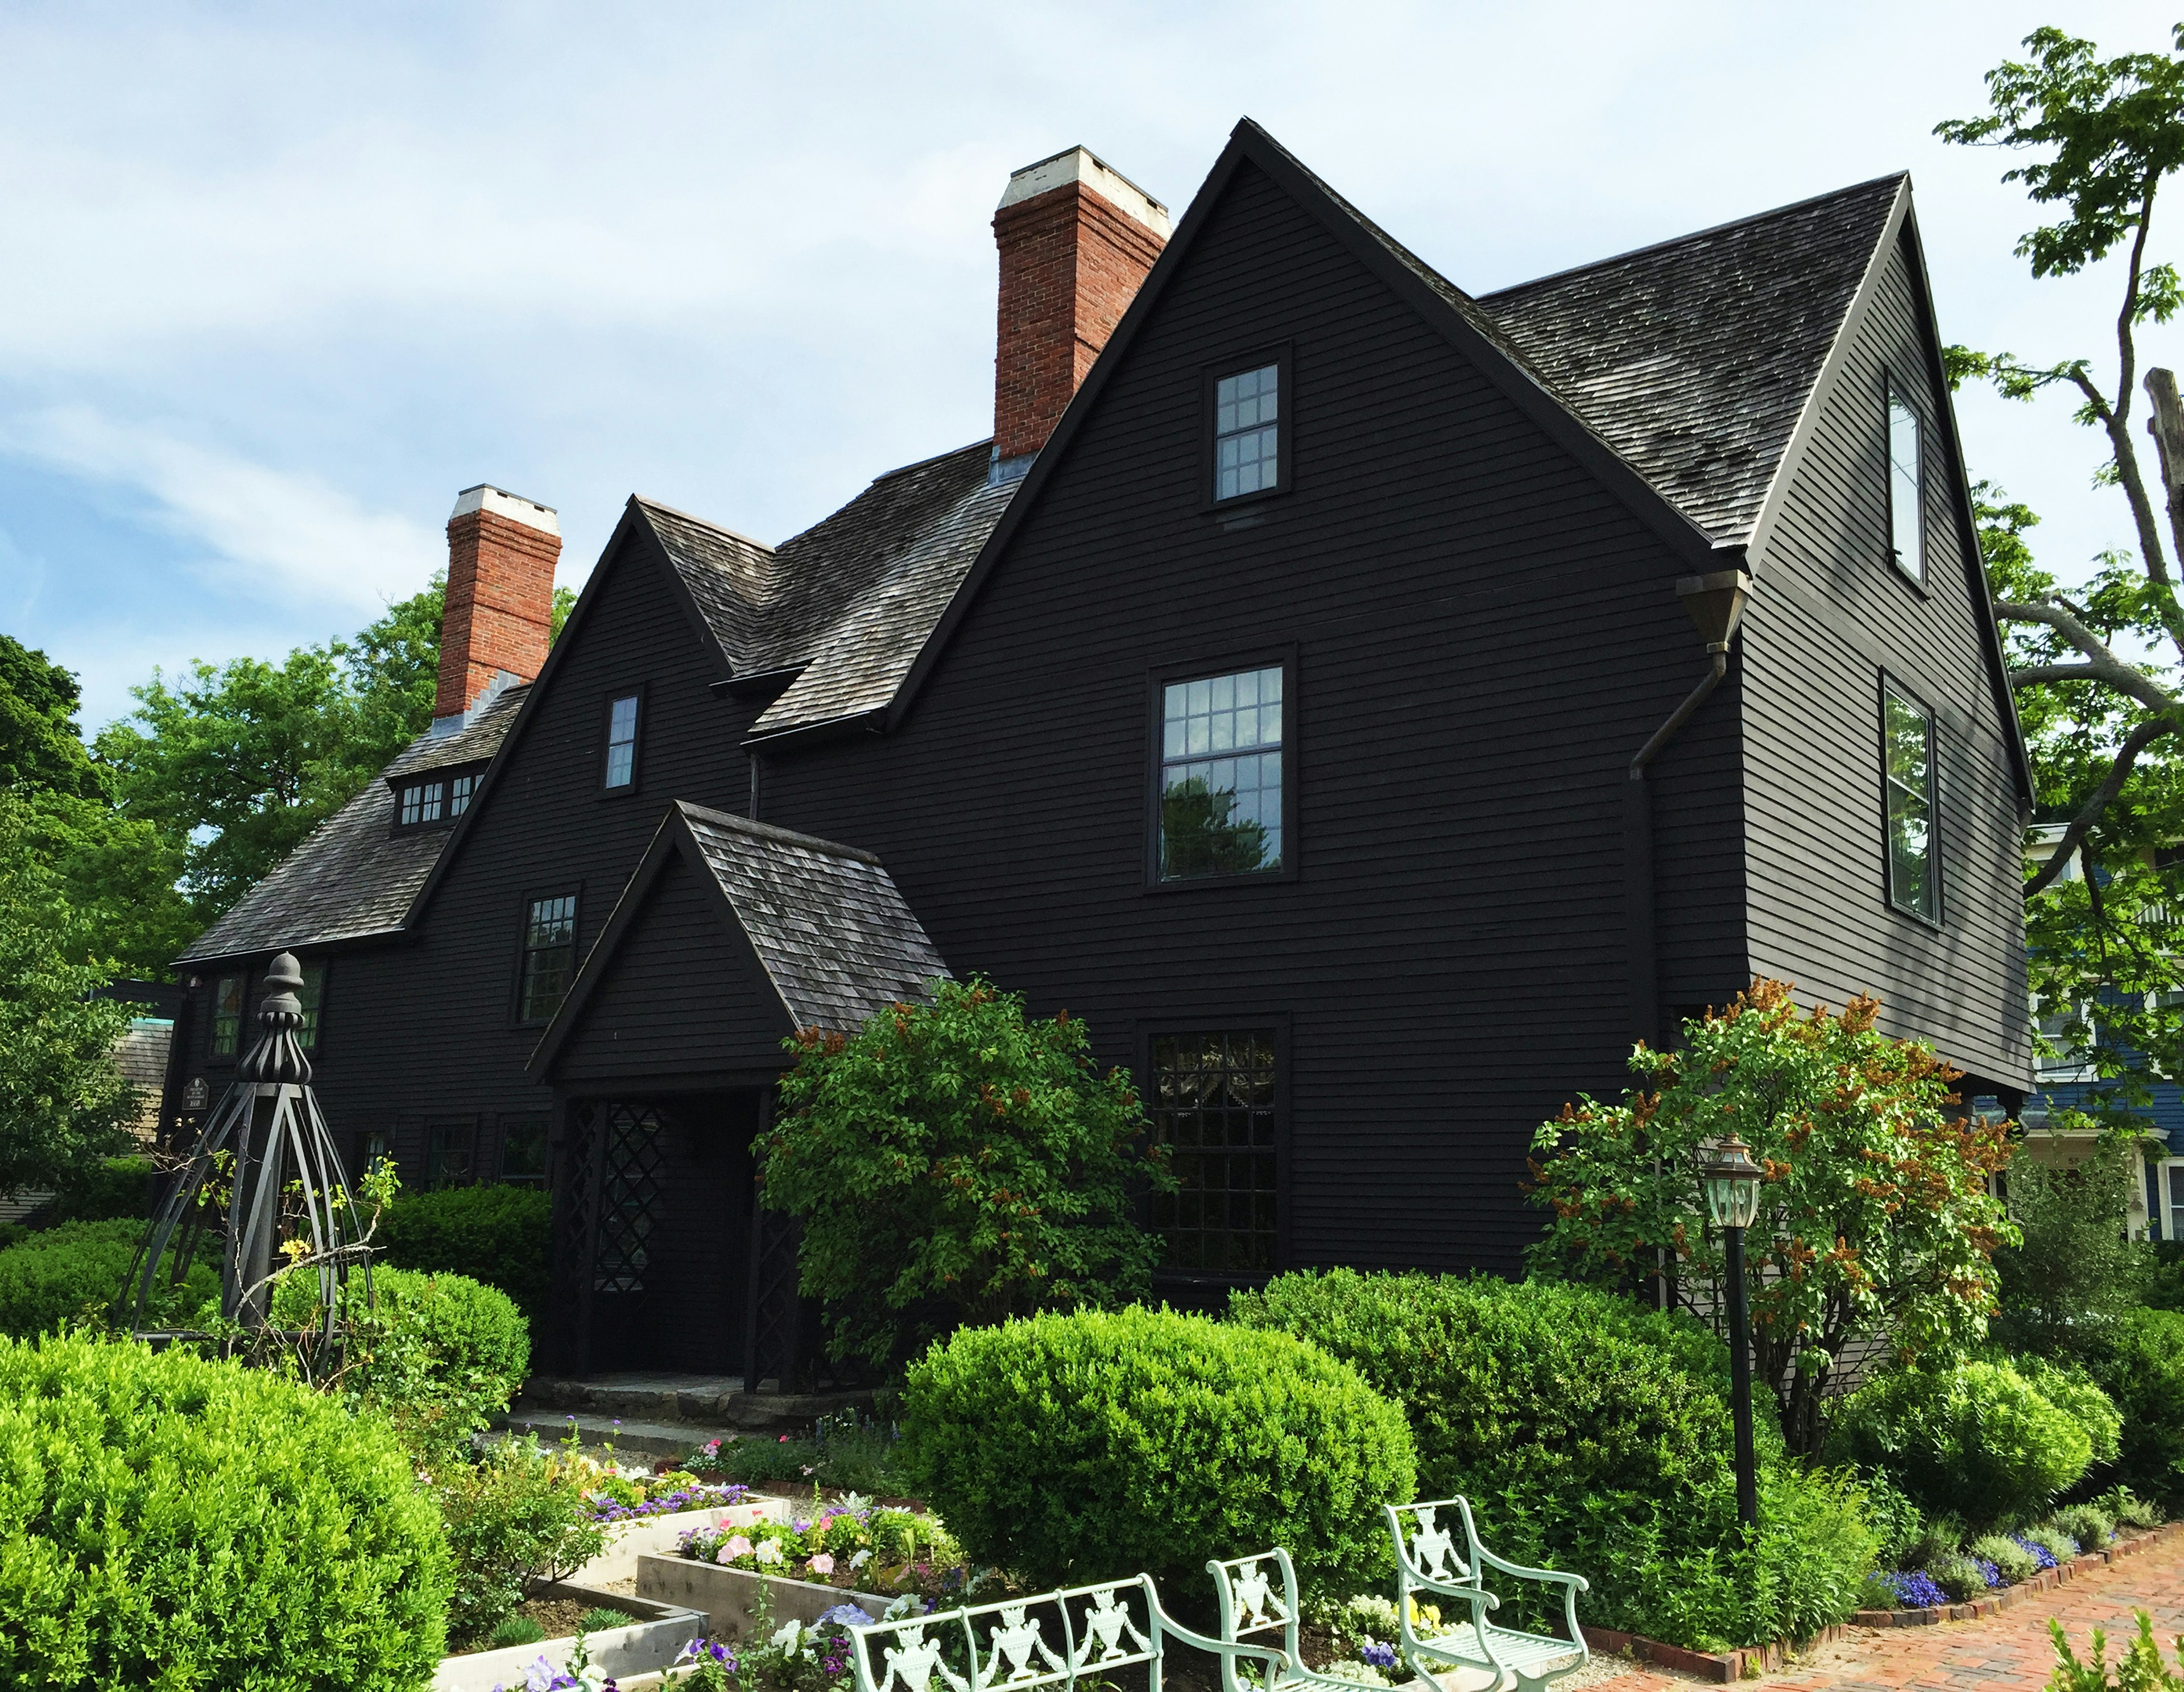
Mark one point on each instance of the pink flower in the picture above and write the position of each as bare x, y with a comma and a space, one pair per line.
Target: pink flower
738, 1547
722, 1554
823, 1563
784, 1439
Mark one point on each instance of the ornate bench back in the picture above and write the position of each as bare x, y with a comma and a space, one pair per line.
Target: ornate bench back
1431, 1552
1258, 1594
1052, 1638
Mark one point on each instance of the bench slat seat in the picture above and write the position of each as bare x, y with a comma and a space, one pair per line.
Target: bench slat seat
1428, 1560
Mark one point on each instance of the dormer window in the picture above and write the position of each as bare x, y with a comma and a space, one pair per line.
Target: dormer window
459, 789
422, 802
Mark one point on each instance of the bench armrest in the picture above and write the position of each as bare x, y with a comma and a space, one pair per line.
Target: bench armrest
1576, 1583
1277, 1661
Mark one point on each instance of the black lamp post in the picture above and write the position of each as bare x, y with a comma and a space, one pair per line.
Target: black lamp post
1732, 1197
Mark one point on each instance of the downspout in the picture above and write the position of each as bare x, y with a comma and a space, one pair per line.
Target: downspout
1715, 603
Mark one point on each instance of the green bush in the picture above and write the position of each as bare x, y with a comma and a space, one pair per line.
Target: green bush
2165, 1275
169, 1522
2127, 1509
1958, 1576
2017, 1564
73, 1272
112, 1189
440, 1354
1069, 1448
2140, 1366
2072, 1390
1978, 1439
1591, 1434
2054, 1541
2090, 1525
515, 1518
501, 1236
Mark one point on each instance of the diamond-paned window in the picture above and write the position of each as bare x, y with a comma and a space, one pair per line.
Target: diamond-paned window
550, 955
629, 1198
1247, 432
1213, 1105
1221, 775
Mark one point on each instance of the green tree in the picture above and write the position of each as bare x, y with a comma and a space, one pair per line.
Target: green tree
2073, 1274
1874, 1225
62, 1102
958, 1162
40, 746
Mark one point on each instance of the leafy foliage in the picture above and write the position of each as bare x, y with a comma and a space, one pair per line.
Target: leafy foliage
500, 1236
63, 1101
514, 1519
2140, 1364
2141, 1670
2073, 1274
72, 1273
41, 746
1977, 1439
1874, 1222
1592, 1434
1072, 1447
173, 1521
958, 1162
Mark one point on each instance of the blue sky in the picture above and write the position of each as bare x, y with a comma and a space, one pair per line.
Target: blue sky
275, 281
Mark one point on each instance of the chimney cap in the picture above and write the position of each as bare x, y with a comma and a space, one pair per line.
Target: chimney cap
1082, 165
485, 497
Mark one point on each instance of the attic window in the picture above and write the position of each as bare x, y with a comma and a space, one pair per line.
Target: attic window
621, 744
459, 789
1907, 510
421, 802
1247, 456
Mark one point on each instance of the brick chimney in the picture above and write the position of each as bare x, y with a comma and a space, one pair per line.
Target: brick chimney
502, 550
1076, 240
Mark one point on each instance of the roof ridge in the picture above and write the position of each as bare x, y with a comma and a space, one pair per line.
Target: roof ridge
920, 464
702, 522
767, 831
1693, 235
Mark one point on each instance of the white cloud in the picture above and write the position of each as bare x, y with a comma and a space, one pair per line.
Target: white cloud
288, 534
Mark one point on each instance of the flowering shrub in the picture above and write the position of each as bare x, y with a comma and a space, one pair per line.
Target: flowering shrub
1915, 1589
2041, 1556
849, 1544
623, 1495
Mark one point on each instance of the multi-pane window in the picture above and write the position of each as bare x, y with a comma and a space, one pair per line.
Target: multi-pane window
1247, 432
550, 955
1221, 775
422, 802
311, 996
1906, 479
622, 742
370, 1149
523, 1151
1914, 859
226, 1016
1213, 1107
450, 1148
459, 789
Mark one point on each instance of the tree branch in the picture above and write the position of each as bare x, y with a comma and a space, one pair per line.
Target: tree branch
2165, 423
2103, 665
2135, 743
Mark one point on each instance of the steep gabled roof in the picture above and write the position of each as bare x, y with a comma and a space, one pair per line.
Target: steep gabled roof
829, 930
351, 876
1694, 357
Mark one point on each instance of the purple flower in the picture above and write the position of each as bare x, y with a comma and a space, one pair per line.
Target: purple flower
2041, 1556
846, 1616
1916, 1589
1379, 1655
1990, 1572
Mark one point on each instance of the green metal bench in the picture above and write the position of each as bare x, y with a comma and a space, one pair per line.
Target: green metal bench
1249, 1604
1080, 1633
1429, 1561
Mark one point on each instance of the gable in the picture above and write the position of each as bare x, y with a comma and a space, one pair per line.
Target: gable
680, 994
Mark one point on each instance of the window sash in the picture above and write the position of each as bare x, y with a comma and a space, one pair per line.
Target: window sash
1909, 810
422, 802
622, 742
1221, 775
226, 1016
550, 956
450, 1154
523, 1148
1247, 431
460, 790
311, 996
1905, 489
1214, 1105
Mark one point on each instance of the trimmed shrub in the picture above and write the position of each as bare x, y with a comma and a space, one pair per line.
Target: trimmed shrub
501, 1236
513, 1519
2090, 1525
2071, 1389
440, 1354
2140, 1366
2054, 1541
168, 1522
1591, 1434
1978, 1439
1074, 1447
112, 1189
73, 1273
1960, 1577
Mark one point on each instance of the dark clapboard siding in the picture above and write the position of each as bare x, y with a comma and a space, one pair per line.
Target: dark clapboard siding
683, 992
428, 1027
1831, 615
1485, 636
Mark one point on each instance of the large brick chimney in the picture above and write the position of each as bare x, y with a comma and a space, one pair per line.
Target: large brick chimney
502, 550
1076, 240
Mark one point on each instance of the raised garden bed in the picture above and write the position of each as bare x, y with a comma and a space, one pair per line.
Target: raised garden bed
655, 1636
636, 1536
730, 1598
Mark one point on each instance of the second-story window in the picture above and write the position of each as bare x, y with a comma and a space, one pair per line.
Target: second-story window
1221, 775
550, 956
1914, 849
311, 996
422, 802
1247, 429
621, 743
1906, 510
226, 1016
459, 789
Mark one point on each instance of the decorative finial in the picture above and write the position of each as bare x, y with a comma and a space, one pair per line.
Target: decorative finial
277, 1055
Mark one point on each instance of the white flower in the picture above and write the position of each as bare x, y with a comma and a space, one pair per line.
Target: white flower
769, 1551
862, 1558
785, 1638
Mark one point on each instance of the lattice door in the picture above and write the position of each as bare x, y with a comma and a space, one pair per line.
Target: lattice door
631, 1159
776, 1311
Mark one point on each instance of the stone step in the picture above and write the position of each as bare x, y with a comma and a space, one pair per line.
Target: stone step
711, 1402
629, 1437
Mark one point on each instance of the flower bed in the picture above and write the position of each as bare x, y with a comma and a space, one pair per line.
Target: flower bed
626, 1494
1922, 1601
650, 1642
849, 1545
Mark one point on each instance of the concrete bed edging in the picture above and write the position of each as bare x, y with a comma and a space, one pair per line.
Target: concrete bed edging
725, 1597
651, 1642
1750, 1661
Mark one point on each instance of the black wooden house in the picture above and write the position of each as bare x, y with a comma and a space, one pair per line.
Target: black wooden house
1271, 691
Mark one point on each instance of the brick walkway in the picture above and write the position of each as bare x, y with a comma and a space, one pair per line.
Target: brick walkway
2010, 1652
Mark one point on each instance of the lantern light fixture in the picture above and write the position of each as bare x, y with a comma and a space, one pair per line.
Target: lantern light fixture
1732, 1185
